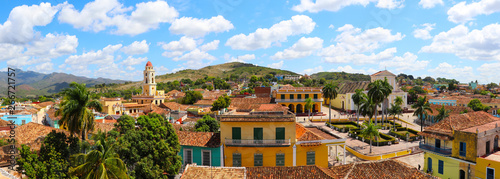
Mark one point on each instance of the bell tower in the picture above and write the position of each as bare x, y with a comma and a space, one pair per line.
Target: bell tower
149, 83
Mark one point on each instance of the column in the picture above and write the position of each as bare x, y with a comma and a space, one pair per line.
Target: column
344, 154
221, 155
294, 155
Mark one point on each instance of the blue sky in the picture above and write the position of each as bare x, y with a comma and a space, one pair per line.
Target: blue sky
115, 39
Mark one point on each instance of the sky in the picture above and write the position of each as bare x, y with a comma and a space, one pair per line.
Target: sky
114, 38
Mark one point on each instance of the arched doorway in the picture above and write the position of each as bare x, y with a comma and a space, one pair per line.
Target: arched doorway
291, 108
299, 109
462, 174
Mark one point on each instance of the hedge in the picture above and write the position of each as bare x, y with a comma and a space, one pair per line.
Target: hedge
403, 136
388, 139
343, 129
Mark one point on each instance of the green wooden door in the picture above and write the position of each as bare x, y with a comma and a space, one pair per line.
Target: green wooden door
258, 135
280, 134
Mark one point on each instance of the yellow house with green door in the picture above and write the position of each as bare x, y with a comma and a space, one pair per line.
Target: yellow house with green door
453, 145
273, 139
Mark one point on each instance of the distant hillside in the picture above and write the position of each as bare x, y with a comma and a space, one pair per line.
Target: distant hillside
341, 76
221, 70
34, 83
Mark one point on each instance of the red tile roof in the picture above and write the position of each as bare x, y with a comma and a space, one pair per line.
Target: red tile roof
444, 128
104, 127
378, 169
199, 139
33, 134
306, 172
385, 73
257, 118
194, 172
204, 102
304, 134
174, 106
149, 64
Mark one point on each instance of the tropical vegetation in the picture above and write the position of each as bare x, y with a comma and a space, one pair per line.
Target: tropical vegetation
330, 92
422, 107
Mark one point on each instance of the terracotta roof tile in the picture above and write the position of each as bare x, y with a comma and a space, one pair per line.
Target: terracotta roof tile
257, 118
32, 134
307, 135
45, 104
204, 102
306, 172
454, 109
385, 73
378, 169
199, 139
350, 87
174, 106
194, 172
104, 127
444, 128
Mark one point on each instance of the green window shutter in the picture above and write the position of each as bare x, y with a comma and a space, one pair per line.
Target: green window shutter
299, 96
311, 156
258, 134
280, 159
257, 160
306, 96
206, 158
236, 133
236, 160
291, 96
315, 96
282, 96
280, 133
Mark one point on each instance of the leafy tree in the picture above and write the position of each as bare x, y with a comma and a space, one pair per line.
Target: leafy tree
358, 98
125, 123
491, 85
367, 108
418, 90
151, 150
452, 86
207, 124
370, 131
253, 79
309, 105
102, 162
387, 91
377, 92
398, 101
442, 113
322, 81
191, 97
221, 103
7, 101
476, 105
395, 110
330, 92
421, 107
75, 111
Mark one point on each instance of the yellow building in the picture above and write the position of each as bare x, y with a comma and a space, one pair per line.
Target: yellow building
149, 92
346, 90
294, 98
264, 138
452, 145
109, 105
488, 167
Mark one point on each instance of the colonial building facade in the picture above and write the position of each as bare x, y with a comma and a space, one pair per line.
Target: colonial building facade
149, 92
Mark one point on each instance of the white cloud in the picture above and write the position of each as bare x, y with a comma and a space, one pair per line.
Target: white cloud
489, 72
177, 48
447, 70
312, 70
210, 46
264, 38
354, 44
193, 27
424, 33
302, 48
161, 70
328, 5
9, 51
134, 61
239, 58
136, 48
101, 57
331, 26
18, 28
463, 12
349, 69
195, 58
407, 62
100, 14
477, 44
277, 65
428, 4
46, 67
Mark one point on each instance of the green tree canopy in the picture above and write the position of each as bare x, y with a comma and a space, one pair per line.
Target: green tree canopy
125, 123
222, 102
476, 105
207, 124
191, 97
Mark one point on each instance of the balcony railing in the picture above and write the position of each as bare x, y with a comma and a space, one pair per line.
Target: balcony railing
257, 143
298, 100
430, 148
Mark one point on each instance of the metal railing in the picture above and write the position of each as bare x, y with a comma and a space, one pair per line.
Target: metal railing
434, 149
252, 142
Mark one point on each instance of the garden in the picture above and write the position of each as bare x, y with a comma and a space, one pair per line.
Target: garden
403, 132
343, 126
381, 140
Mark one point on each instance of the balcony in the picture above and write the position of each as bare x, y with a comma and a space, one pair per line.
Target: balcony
430, 148
298, 100
257, 143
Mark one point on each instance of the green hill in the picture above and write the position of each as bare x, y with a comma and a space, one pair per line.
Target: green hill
341, 76
243, 70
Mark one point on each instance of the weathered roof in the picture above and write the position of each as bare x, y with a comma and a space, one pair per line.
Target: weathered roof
133, 105
383, 73
454, 109
310, 172
33, 134
104, 127
350, 87
378, 169
194, 171
199, 139
45, 104
444, 128
174, 106
204, 102
149, 64
304, 134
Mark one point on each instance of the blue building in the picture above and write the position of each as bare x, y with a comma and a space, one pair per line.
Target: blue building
473, 85
448, 102
202, 148
19, 119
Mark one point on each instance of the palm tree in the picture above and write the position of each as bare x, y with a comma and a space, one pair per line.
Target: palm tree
395, 110
75, 110
102, 162
376, 93
387, 91
443, 113
309, 104
367, 108
421, 107
330, 92
370, 131
358, 98
398, 101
